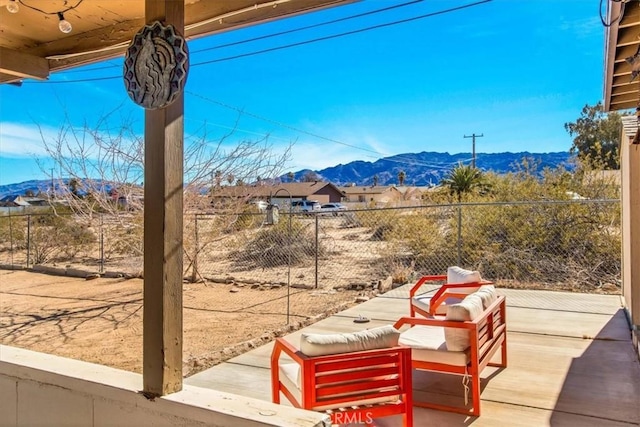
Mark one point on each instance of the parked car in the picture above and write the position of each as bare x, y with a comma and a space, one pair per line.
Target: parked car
334, 208
305, 206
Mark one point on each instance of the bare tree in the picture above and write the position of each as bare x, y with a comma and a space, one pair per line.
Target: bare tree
310, 176
103, 167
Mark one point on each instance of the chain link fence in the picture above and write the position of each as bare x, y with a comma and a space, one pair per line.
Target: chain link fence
569, 245
312, 263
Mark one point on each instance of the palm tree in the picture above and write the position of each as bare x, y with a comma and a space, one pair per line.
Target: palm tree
463, 179
401, 177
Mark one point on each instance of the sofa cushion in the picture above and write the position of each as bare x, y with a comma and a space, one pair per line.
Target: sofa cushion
428, 345
424, 301
370, 339
470, 308
457, 275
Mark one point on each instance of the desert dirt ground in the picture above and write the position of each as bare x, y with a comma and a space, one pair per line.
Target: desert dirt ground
100, 320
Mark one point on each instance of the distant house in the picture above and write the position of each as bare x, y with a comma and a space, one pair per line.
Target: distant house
323, 192
13, 202
127, 197
22, 201
378, 194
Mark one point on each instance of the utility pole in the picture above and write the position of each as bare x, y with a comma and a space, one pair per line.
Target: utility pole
473, 155
53, 186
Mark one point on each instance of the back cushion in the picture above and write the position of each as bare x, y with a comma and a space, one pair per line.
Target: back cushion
457, 275
487, 294
470, 308
370, 339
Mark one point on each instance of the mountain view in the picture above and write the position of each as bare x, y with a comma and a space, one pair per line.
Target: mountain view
421, 169
428, 168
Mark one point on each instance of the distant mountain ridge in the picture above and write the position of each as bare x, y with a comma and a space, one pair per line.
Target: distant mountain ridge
428, 168
41, 185
421, 169
20, 188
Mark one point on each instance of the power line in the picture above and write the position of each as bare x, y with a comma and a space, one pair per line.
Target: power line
378, 26
281, 33
284, 125
347, 33
315, 135
276, 48
321, 24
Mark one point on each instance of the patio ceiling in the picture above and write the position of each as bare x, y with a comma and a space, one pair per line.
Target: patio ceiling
622, 42
32, 45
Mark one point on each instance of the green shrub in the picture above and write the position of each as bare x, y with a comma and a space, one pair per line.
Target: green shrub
60, 237
278, 245
13, 232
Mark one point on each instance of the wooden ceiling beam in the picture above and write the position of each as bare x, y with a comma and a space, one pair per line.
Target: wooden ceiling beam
631, 15
622, 104
629, 96
94, 45
622, 80
629, 88
23, 65
622, 68
629, 35
626, 51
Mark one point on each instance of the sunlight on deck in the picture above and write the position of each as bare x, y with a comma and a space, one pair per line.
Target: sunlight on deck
571, 362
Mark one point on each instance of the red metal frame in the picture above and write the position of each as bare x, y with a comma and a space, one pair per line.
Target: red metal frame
447, 290
340, 379
488, 333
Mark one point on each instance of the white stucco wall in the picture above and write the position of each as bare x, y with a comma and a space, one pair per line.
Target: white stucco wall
38, 389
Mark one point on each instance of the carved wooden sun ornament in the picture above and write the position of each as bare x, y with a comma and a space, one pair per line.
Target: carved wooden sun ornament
156, 66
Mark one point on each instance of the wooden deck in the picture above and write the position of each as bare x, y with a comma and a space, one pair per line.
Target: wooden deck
571, 363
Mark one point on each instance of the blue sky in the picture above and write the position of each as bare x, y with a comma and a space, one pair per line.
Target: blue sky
513, 70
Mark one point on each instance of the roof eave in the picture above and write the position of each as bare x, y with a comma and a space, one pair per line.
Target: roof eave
611, 38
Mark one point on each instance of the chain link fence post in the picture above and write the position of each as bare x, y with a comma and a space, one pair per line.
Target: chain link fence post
11, 237
316, 254
28, 239
196, 245
101, 243
289, 241
459, 244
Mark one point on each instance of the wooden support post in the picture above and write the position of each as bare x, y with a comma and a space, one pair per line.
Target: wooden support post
163, 185
630, 170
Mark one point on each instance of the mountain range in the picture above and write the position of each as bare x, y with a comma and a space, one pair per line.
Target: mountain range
421, 169
428, 168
